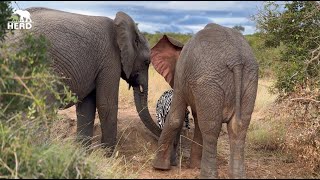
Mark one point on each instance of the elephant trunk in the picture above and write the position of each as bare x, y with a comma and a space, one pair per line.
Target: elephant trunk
141, 102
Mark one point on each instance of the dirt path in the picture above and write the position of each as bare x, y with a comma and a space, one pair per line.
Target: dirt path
138, 146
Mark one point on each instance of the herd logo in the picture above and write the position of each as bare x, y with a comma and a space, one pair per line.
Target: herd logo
21, 20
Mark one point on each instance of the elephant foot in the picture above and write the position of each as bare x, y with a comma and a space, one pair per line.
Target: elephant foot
162, 163
109, 151
195, 165
173, 159
195, 159
208, 175
173, 162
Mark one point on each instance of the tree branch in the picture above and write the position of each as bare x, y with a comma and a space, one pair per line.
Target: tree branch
308, 99
314, 56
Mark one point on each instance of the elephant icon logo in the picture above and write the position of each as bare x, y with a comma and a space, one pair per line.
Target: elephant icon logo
24, 15
20, 20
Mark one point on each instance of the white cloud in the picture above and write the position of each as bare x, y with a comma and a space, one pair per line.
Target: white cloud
150, 28
249, 30
195, 28
90, 13
230, 20
172, 5
178, 5
103, 8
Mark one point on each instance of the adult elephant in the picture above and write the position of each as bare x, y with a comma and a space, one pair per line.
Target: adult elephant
92, 53
217, 75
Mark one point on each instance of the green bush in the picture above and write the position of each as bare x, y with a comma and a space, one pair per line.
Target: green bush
26, 83
267, 57
21, 158
30, 96
297, 27
5, 16
154, 38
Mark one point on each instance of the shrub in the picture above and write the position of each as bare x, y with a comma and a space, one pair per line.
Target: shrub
267, 57
5, 11
303, 134
296, 25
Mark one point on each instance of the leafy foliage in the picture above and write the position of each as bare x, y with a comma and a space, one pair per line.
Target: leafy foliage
27, 84
5, 16
296, 25
267, 57
21, 158
239, 28
154, 38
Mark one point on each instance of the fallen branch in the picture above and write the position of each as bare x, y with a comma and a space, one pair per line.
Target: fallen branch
308, 99
315, 56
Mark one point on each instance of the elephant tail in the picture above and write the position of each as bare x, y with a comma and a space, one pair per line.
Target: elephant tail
237, 74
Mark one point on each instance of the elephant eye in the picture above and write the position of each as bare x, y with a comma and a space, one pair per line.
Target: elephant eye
147, 62
137, 42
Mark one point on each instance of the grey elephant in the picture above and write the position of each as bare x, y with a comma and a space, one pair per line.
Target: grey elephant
217, 75
93, 53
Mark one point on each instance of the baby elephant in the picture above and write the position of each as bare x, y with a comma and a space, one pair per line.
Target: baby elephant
217, 75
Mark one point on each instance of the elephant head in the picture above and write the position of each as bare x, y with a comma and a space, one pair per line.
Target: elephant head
164, 56
135, 60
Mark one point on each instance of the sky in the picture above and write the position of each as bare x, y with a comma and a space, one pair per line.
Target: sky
163, 16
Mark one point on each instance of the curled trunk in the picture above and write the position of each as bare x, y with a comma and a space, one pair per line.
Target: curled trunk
141, 102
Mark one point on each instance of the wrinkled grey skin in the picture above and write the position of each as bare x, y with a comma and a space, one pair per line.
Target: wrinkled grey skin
217, 75
92, 53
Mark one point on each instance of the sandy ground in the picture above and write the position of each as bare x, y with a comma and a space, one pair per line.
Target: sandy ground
137, 145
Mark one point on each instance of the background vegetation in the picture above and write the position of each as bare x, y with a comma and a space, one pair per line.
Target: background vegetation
293, 28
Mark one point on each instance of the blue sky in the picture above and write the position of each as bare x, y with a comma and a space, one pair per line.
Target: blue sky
163, 16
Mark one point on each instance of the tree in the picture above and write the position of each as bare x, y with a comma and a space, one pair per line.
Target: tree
239, 28
296, 25
5, 16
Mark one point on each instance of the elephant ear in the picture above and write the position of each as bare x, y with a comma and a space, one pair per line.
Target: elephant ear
164, 56
127, 39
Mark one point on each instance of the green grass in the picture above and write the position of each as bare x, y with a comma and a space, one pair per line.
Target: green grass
266, 134
57, 158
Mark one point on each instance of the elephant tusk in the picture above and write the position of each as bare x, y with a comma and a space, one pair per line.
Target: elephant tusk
141, 89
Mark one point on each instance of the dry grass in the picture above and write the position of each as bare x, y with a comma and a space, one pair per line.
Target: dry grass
157, 85
264, 97
264, 134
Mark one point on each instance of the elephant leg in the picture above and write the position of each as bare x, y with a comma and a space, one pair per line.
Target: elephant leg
174, 151
237, 144
196, 147
209, 105
107, 105
173, 125
210, 126
86, 110
237, 140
